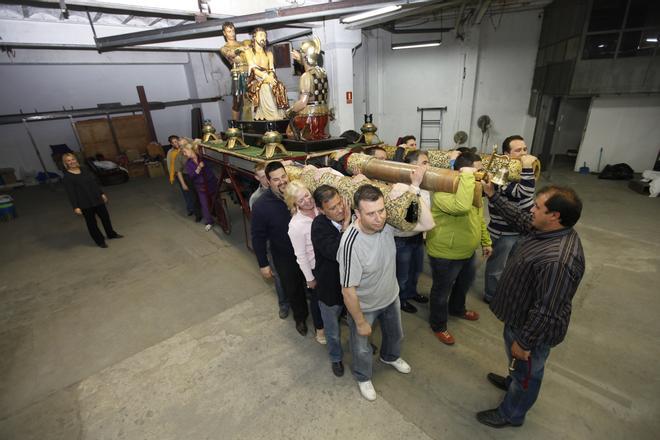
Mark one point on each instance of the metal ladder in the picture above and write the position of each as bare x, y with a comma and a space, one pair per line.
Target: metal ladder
431, 123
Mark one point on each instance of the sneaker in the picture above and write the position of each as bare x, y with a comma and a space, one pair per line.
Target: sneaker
367, 390
284, 312
320, 337
399, 364
208, 227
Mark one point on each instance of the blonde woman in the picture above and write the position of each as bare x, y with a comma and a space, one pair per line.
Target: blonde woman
87, 199
202, 177
303, 211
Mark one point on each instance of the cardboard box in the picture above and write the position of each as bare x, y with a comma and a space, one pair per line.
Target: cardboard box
155, 169
137, 169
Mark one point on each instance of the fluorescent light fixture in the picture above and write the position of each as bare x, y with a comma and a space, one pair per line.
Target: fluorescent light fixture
652, 40
600, 46
369, 14
417, 45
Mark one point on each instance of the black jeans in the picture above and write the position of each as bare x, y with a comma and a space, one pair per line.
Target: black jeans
93, 227
451, 281
293, 282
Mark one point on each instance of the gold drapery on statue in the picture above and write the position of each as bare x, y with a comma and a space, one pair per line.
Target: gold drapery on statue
397, 210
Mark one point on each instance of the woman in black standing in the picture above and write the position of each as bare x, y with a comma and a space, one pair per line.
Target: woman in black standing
87, 199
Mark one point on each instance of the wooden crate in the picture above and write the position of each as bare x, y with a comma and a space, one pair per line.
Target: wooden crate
155, 169
96, 136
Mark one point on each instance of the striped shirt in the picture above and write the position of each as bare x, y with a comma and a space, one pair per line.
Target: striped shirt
522, 194
539, 280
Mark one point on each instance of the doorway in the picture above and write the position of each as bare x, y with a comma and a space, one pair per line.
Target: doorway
559, 130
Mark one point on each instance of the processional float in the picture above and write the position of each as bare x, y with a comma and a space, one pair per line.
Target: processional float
305, 126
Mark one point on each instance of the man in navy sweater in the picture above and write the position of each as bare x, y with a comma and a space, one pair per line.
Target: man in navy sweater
270, 224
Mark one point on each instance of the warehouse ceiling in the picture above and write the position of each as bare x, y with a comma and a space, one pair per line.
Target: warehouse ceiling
157, 21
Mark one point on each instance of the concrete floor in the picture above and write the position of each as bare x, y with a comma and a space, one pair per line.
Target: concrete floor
171, 334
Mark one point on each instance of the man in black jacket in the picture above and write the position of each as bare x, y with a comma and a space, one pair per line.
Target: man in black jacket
270, 224
326, 234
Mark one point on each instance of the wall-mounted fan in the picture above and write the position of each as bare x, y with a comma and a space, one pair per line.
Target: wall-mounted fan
460, 138
484, 123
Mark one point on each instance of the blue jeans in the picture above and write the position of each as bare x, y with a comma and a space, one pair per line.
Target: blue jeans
409, 264
390, 350
281, 295
518, 400
502, 247
330, 315
451, 281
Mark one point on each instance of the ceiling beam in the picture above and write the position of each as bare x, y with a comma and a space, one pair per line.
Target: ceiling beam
213, 28
483, 7
97, 17
127, 19
111, 8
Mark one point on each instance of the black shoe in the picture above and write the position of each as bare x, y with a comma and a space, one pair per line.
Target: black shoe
103, 245
284, 312
190, 213
374, 348
422, 299
497, 380
338, 368
407, 307
487, 300
493, 419
302, 328
116, 236
198, 219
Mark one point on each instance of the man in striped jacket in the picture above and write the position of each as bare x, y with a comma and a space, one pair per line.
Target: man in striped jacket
503, 234
534, 295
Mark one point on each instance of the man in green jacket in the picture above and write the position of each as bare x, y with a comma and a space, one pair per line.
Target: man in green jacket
460, 229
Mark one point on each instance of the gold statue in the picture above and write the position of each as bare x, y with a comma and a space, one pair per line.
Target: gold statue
234, 54
234, 136
266, 93
209, 131
310, 112
272, 141
368, 130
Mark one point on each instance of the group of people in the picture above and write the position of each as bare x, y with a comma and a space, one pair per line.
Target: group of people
190, 172
344, 258
349, 262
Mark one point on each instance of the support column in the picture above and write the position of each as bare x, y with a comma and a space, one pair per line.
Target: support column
338, 44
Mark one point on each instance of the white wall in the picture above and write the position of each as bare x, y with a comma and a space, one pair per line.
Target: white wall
626, 128
47, 80
490, 72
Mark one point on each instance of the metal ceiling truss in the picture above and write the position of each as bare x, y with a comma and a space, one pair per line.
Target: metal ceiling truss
108, 8
211, 28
